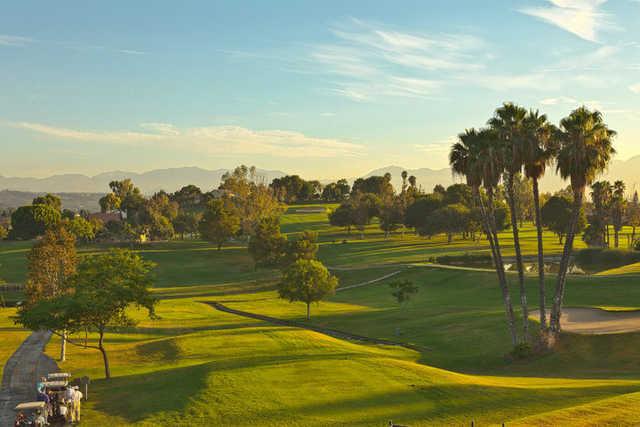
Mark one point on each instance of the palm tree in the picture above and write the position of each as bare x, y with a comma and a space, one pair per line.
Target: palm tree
585, 149
538, 151
508, 123
618, 207
474, 158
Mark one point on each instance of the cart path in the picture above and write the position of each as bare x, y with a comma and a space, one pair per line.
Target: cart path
311, 327
21, 373
369, 282
595, 321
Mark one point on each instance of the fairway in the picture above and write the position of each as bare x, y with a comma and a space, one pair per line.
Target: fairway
228, 370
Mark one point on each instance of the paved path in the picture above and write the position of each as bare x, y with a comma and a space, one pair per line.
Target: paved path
21, 372
369, 282
595, 321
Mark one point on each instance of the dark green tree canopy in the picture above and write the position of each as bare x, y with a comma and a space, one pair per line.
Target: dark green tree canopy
29, 222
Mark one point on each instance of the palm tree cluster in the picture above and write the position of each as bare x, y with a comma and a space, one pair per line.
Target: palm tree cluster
518, 140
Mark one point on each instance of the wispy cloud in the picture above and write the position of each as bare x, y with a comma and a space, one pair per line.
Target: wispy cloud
221, 140
437, 147
372, 61
635, 88
20, 41
7, 40
560, 100
583, 18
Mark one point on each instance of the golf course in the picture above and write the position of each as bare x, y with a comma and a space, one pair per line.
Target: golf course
445, 360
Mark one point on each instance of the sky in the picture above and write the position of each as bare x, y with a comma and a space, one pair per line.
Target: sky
325, 89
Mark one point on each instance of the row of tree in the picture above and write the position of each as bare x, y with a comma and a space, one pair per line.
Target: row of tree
515, 141
611, 209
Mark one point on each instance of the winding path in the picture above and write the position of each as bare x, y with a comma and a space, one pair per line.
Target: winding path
326, 331
21, 373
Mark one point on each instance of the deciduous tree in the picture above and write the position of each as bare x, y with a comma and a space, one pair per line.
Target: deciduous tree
218, 224
307, 281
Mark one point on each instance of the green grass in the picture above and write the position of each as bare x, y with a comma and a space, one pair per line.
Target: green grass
458, 315
197, 365
625, 269
12, 336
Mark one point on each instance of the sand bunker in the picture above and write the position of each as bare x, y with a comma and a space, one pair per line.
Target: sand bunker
594, 321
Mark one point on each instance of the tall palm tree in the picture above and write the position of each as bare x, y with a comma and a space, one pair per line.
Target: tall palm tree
585, 149
508, 124
538, 151
473, 157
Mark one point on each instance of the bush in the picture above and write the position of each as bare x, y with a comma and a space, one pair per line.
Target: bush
595, 259
465, 259
521, 351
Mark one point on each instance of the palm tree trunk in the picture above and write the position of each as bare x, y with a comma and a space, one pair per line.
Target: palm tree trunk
516, 244
536, 203
558, 296
502, 277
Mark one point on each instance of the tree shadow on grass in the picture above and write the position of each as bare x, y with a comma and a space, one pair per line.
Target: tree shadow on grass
448, 404
136, 397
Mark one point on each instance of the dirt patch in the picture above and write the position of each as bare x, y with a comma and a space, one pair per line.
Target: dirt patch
595, 321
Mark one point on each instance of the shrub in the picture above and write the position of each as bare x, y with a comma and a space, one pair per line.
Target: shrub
593, 259
465, 259
521, 351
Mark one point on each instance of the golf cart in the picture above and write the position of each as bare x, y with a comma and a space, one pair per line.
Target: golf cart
31, 414
58, 376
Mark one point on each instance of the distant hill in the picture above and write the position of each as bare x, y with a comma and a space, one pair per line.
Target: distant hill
149, 182
81, 191
625, 170
73, 201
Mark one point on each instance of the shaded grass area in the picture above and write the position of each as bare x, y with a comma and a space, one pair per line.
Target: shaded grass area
199, 366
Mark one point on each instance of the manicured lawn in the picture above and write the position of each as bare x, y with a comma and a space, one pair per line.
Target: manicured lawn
196, 365
458, 316
626, 269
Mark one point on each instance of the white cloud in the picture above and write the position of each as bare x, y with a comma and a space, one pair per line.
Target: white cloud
7, 40
437, 147
222, 140
558, 101
584, 18
635, 88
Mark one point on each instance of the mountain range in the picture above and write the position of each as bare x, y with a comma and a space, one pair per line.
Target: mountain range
149, 182
24, 189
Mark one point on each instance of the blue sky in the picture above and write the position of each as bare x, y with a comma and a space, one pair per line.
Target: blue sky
325, 89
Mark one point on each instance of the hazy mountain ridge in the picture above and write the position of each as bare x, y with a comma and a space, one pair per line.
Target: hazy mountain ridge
625, 170
81, 191
149, 182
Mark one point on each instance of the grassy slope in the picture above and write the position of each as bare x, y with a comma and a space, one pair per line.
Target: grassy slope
626, 269
458, 315
199, 365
